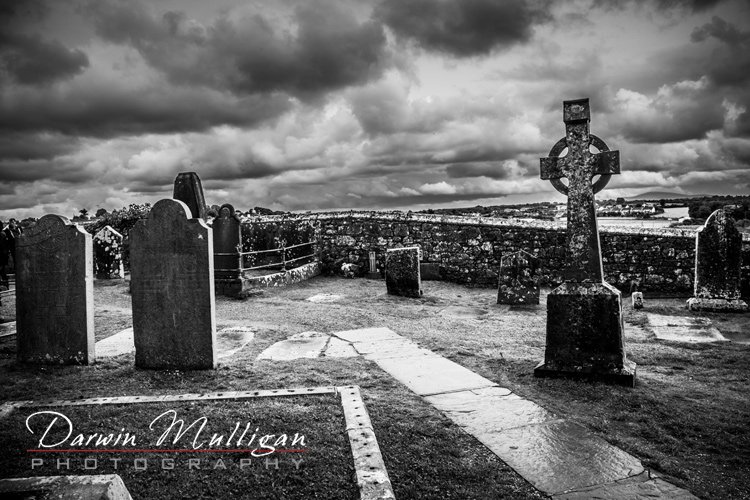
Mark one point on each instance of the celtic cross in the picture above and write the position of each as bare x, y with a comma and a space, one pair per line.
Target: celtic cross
579, 166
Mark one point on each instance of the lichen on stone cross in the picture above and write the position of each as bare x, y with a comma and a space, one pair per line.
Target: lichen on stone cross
579, 166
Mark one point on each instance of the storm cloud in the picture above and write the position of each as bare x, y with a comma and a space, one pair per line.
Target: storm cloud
462, 27
329, 48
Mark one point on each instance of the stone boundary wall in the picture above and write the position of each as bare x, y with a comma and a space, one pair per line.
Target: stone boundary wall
468, 249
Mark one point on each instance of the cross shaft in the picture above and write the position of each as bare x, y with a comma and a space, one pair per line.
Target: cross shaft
579, 166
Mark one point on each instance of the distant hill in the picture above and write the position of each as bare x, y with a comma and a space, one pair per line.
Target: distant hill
659, 195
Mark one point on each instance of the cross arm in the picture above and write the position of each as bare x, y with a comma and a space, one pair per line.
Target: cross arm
551, 167
607, 163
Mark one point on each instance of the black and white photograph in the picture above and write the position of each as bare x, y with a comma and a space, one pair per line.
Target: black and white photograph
375, 249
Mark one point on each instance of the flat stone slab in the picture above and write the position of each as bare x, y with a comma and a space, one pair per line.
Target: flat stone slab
684, 329
369, 335
304, 345
489, 410
559, 456
338, 348
640, 487
114, 345
91, 487
229, 341
464, 312
324, 297
7, 329
429, 375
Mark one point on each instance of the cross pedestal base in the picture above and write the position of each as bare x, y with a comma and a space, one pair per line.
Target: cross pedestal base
717, 305
584, 335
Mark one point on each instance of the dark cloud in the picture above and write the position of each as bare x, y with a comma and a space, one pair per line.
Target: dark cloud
28, 59
721, 30
330, 49
102, 111
462, 27
33, 146
663, 5
492, 170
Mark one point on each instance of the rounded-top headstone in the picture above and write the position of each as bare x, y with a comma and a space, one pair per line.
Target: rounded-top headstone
54, 293
189, 190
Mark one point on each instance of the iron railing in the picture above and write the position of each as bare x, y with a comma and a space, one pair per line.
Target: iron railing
281, 262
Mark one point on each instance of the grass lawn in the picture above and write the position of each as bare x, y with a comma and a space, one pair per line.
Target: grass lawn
688, 417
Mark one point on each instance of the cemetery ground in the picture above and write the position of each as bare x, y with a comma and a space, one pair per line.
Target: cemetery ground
687, 419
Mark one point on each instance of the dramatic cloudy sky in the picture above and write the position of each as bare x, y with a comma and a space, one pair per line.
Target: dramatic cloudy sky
309, 105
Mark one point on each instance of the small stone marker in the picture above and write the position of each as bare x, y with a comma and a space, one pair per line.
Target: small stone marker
189, 190
518, 283
227, 234
584, 314
172, 287
373, 271
718, 263
108, 254
402, 273
637, 299
90, 487
430, 271
55, 293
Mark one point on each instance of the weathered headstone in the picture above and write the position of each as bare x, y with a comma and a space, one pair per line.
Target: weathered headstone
227, 231
518, 283
172, 288
189, 190
402, 274
108, 254
637, 300
584, 314
718, 263
55, 293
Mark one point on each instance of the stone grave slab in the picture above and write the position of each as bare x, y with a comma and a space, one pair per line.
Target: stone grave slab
338, 348
322, 298
375, 334
684, 329
7, 329
391, 349
718, 266
642, 486
189, 190
108, 254
172, 289
301, 345
402, 274
559, 456
55, 293
518, 283
89, 487
489, 410
429, 375
121, 342
232, 340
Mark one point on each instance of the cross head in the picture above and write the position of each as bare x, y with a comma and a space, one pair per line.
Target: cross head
579, 166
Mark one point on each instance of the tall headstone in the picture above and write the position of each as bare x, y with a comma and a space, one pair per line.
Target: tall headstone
172, 288
108, 254
189, 190
584, 314
718, 264
518, 283
402, 274
227, 231
55, 293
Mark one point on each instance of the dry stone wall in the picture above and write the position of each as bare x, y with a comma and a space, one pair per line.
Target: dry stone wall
468, 249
